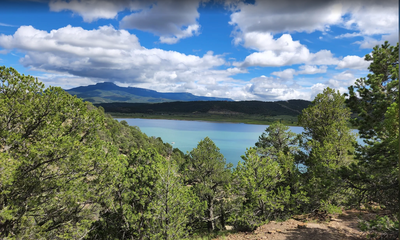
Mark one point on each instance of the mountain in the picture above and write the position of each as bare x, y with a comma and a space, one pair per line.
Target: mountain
108, 92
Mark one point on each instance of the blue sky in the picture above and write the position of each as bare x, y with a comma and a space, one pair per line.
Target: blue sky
244, 50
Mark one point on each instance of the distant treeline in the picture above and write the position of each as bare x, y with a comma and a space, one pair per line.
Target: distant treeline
290, 107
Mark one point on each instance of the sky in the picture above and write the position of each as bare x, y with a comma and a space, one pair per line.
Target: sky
265, 50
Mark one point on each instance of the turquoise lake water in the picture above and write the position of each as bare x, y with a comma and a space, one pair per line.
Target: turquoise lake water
231, 138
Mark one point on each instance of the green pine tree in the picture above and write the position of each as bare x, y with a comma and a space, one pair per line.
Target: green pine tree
173, 204
374, 100
208, 173
258, 179
328, 144
53, 164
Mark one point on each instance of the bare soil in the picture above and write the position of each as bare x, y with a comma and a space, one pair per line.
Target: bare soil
315, 226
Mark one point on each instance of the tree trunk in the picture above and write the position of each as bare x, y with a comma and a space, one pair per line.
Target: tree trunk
211, 226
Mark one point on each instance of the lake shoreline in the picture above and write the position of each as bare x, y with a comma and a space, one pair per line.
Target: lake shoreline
216, 118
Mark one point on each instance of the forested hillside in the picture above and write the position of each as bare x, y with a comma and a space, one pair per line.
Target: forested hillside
290, 107
70, 171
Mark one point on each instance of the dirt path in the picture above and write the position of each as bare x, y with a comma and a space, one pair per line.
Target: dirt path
310, 227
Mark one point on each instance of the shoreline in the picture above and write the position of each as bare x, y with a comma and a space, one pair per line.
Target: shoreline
255, 120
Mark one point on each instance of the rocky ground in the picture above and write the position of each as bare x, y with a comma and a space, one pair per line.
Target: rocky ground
316, 226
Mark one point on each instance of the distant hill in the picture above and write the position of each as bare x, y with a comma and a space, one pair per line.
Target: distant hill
108, 92
290, 107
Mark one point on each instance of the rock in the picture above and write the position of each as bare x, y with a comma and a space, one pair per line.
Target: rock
228, 227
302, 225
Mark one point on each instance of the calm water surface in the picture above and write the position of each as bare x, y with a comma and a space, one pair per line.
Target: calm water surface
231, 138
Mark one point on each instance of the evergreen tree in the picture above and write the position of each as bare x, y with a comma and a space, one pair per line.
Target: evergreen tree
277, 138
128, 215
282, 145
258, 178
53, 165
373, 100
208, 173
173, 204
328, 144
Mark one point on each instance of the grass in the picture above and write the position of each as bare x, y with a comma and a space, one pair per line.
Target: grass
231, 118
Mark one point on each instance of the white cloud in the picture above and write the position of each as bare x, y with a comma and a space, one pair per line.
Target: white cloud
6, 25
270, 89
285, 74
281, 52
278, 16
369, 19
346, 75
172, 20
372, 16
369, 42
353, 62
376, 21
71, 56
316, 89
349, 35
312, 69
185, 33
92, 10
103, 50
288, 73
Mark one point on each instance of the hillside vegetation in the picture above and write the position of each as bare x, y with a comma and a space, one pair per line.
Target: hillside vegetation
291, 107
251, 112
70, 171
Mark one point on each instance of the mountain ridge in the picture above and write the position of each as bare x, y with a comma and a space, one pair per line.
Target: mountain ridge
108, 92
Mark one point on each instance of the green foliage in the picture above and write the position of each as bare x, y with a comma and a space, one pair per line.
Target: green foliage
375, 100
173, 204
328, 144
269, 186
275, 139
129, 215
330, 208
208, 174
382, 227
380, 224
376, 92
53, 162
258, 178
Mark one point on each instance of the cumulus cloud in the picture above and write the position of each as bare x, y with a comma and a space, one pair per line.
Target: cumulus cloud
372, 16
170, 19
270, 89
279, 16
304, 69
108, 54
353, 62
312, 69
281, 52
285, 74
92, 10
316, 89
366, 18
376, 21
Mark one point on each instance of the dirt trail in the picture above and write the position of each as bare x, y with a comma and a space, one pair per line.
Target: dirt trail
310, 227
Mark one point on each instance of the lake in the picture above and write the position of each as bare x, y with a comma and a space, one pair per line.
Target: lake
231, 138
